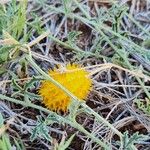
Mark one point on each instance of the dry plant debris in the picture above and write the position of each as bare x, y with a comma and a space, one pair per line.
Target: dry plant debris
109, 39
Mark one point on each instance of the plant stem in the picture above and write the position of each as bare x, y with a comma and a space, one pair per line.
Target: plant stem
60, 118
77, 49
125, 59
132, 19
82, 9
47, 77
101, 26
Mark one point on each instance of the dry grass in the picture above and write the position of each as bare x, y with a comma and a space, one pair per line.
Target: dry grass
109, 39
